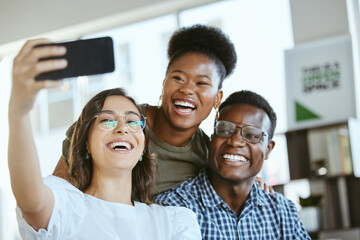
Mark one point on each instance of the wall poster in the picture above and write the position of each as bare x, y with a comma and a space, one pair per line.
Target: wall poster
320, 83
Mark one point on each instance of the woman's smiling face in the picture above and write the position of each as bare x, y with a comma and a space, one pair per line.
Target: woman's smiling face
190, 90
120, 148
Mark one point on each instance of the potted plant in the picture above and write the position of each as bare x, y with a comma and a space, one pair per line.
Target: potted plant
310, 212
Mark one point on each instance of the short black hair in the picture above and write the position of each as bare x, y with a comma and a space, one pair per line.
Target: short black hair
208, 40
254, 99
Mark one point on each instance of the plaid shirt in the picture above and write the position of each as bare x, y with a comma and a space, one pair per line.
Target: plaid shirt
264, 216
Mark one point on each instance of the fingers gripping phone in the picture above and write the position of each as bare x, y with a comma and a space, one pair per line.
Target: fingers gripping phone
85, 57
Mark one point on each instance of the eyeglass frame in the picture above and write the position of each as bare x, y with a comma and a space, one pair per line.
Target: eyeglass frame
241, 131
123, 120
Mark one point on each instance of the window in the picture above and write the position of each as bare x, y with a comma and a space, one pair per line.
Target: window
124, 63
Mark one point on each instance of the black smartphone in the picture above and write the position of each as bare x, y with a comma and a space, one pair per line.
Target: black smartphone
85, 57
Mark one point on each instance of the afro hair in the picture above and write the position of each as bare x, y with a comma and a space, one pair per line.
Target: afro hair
205, 39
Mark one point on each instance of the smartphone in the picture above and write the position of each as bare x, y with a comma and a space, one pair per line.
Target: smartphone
85, 57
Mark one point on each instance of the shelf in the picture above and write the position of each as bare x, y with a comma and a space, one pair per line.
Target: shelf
330, 154
326, 151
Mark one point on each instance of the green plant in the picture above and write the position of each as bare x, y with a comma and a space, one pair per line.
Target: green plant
311, 201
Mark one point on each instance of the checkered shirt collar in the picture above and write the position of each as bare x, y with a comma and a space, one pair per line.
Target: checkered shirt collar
210, 198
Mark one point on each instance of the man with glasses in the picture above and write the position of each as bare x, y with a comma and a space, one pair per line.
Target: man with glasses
227, 200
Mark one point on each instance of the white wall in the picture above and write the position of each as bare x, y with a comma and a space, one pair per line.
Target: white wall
22, 19
317, 19
67, 19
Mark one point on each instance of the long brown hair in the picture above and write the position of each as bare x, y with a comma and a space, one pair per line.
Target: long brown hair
81, 164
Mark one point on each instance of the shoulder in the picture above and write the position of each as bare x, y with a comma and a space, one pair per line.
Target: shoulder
53, 180
182, 222
278, 213
200, 142
172, 211
66, 195
69, 208
59, 184
276, 202
174, 214
200, 135
180, 213
185, 194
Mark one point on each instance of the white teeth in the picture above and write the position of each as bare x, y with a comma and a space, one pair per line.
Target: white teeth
120, 144
234, 158
184, 104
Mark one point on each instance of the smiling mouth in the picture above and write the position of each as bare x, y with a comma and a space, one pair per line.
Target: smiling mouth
182, 105
125, 146
234, 158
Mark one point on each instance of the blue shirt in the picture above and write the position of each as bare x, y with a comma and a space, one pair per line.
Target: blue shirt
264, 216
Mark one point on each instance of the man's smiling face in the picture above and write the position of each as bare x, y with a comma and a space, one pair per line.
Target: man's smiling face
233, 158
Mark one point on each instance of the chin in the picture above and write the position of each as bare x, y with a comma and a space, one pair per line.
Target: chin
183, 124
232, 177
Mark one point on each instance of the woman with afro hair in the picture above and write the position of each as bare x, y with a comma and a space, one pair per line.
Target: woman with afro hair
201, 57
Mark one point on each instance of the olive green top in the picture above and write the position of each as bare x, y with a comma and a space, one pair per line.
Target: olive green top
175, 164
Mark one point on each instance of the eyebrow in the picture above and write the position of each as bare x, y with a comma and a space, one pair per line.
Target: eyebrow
201, 75
113, 113
238, 124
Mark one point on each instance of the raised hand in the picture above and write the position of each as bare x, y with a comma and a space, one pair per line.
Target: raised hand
26, 66
32, 196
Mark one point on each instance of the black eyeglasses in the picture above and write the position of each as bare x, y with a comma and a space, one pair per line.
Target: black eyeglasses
250, 134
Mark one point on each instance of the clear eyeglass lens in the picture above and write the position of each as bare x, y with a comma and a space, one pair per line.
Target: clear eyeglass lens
108, 125
251, 134
133, 121
227, 129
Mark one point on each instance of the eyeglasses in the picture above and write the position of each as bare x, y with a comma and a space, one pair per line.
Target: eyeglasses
250, 134
106, 120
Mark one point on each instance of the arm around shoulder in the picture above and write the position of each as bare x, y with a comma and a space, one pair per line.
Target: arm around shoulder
297, 230
169, 198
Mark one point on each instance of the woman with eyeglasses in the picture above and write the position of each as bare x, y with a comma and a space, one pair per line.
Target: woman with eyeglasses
111, 170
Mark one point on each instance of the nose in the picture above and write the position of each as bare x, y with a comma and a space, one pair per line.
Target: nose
187, 88
121, 126
237, 140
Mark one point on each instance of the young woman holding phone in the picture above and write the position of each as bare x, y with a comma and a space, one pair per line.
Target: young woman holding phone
111, 170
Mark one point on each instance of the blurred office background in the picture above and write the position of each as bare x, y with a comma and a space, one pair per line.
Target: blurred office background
260, 29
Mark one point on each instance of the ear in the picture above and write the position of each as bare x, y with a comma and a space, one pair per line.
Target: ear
269, 148
219, 97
